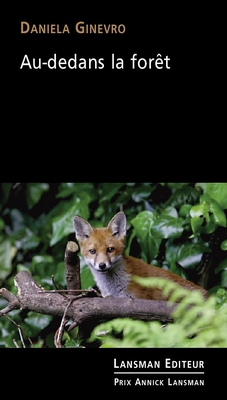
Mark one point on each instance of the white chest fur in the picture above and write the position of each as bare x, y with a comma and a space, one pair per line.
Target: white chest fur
113, 282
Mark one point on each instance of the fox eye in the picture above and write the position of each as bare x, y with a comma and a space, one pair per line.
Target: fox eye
110, 249
92, 251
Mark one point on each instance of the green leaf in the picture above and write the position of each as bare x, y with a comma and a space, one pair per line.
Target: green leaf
43, 267
190, 254
221, 267
68, 189
207, 216
171, 251
168, 224
59, 274
37, 260
2, 224
35, 192
175, 185
178, 270
183, 196
73, 343
224, 279
142, 192
18, 221
5, 259
108, 191
37, 322
142, 224
63, 224
224, 245
87, 280
185, 210
196, 224
171, 258
129, 242
218, 214
169, 212
26, 239
217, 191
5, 189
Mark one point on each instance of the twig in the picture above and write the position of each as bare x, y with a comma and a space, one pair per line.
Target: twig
21, 337
53, 281
20, 331
15, 185
60, 331
56, 288
15, 343
70, 290
12, 300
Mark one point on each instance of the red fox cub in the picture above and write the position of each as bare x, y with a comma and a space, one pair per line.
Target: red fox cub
103, 252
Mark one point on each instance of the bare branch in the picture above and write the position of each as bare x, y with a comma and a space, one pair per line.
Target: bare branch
87, 309
69, 291
83, 311
60, 331
13, 301
15, 344
72, 266
21, 337
53, 281
20, 331
15, 185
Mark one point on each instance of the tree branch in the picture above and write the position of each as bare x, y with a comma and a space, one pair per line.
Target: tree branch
72, 266
31, 297
84, 312
13, 303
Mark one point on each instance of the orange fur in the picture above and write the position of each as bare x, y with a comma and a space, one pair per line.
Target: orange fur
138, 267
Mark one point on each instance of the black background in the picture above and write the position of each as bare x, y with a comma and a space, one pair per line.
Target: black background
115, 117
91, 371
147, 34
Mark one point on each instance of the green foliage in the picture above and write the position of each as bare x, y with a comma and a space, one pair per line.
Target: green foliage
207, 215
167, 224
143, 224
217, 191
5, 258
196, 323
171, 225
31, 325
178, 232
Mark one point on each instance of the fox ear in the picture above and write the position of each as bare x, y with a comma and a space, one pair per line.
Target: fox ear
82, 228
117, 225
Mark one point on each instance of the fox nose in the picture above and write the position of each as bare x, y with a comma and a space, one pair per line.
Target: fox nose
102, 266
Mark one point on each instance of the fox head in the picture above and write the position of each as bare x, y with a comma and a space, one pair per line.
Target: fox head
102, 248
